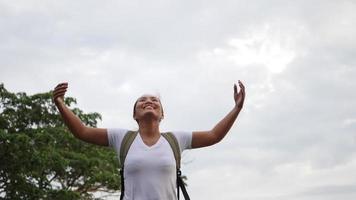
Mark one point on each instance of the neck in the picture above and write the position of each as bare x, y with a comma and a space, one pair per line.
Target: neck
149, 128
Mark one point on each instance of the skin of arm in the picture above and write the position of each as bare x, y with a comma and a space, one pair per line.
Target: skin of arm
215, 135
96, 136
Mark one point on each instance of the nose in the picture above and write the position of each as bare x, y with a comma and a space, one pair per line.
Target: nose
148, 102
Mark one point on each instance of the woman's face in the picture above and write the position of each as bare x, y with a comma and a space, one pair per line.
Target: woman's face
148, 106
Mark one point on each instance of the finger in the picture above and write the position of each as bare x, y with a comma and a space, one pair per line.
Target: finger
241, 85
60, 87
62, 84
235, 89
61, 95
60, 91
63, 87
242, 91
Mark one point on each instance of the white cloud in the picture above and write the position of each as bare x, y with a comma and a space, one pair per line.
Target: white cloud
261, 47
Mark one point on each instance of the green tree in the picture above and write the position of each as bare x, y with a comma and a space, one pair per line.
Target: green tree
40, 159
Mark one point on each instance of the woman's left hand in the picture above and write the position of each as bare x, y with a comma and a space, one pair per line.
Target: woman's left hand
239, 96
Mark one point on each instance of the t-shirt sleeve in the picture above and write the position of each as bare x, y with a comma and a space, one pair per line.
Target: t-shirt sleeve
184, 139
115, 136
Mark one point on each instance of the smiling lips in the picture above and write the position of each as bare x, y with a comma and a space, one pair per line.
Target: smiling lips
148, 106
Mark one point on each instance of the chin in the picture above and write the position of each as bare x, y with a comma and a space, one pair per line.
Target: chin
150, 114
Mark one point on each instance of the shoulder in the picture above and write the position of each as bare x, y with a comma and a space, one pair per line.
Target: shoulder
181, 134
115, 136
184, 139
114, 132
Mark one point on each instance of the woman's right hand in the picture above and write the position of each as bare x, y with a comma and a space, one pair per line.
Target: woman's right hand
59, 91
97, 136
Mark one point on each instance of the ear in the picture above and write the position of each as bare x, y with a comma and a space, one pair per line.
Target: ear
134, 117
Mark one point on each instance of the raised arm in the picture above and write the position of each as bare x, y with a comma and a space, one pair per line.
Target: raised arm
88, 134
207, 138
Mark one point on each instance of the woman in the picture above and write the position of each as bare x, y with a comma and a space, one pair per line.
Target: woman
150, 171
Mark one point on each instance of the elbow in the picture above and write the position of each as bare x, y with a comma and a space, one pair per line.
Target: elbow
79, 132
216, 137
217, 140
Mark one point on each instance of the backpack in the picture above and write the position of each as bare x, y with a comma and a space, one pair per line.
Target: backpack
172, 140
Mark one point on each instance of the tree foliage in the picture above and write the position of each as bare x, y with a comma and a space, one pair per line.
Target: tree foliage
40, 159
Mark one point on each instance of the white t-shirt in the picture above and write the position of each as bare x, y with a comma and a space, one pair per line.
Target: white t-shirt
150, 171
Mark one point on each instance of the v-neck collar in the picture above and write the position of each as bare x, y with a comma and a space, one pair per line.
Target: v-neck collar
152, 146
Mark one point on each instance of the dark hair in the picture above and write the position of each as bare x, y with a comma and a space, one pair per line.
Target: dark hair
134, 108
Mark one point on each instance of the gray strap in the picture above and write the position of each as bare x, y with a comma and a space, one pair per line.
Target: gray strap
125, 146
172, 140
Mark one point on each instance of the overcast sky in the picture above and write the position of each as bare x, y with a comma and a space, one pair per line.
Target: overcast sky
294, 139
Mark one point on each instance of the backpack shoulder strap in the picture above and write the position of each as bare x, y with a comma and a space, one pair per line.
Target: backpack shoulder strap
124, 149
125, 146
173, 142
